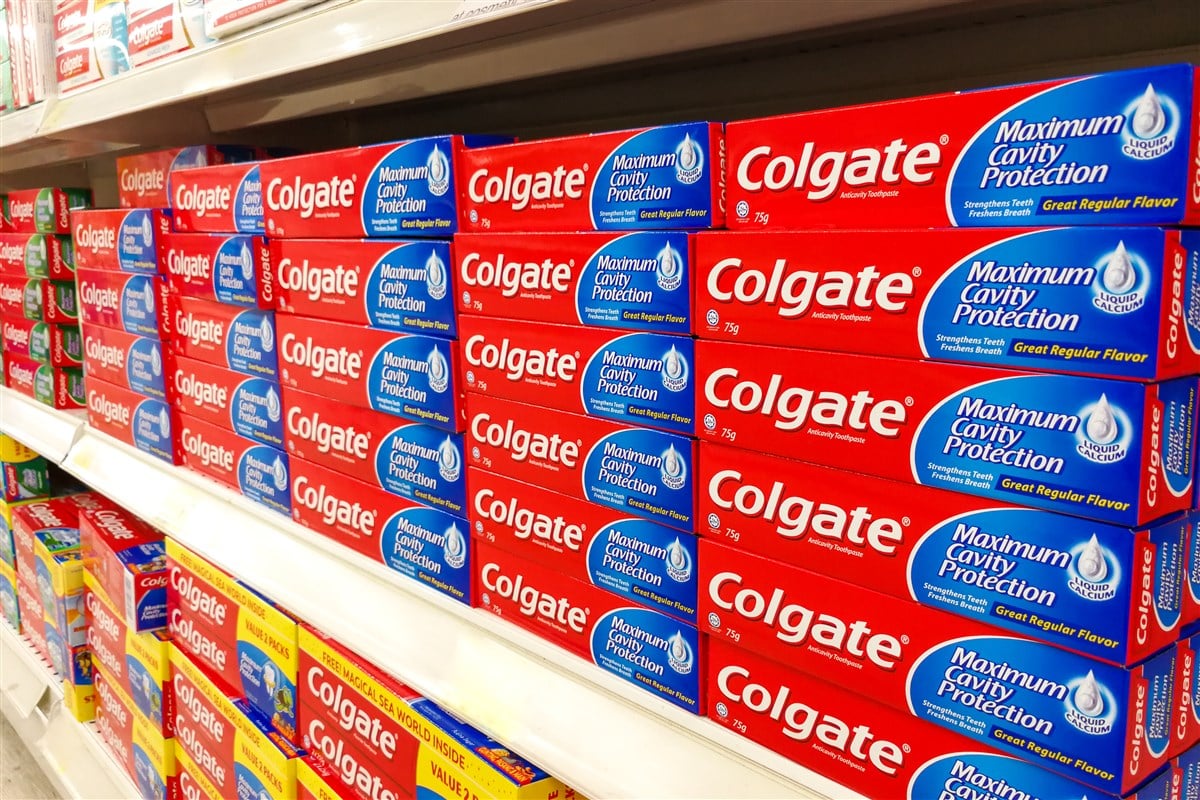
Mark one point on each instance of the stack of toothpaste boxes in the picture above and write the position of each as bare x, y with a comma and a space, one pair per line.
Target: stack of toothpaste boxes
574, 300
946, 402
39, 309
25, 479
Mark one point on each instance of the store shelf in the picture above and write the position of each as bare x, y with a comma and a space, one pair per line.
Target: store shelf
47, 431
68, 752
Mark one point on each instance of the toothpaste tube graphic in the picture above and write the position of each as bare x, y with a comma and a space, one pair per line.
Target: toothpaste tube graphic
395, 189
424, 544
125, 360
224, 268
240, 339
1109, 149
225, 198
878, 751
638, 471
37, 255
45, 210
250, 407
44, 342
142, 178
124, 302
391, 285
1103, 725
407, 459
1106, 591
257, 471
118, 239
1113, 451
1101, 301
57, 387
641, 378
633, 558
125, 558
670, 177
633, 281
409, 376
647, 648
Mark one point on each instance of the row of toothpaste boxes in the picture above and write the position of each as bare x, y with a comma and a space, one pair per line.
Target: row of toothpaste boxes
201, 687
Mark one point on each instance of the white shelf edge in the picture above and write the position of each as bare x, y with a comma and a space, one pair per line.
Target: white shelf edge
46, 430
596, 732
21, 126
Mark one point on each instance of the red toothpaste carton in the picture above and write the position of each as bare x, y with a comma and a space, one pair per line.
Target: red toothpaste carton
646, 648
123, 302
240, 339
45, 210
1185, 726
1097, 723
37, 255
12, 297
58, 301
1104, 590
1104, 149
118, 239
1111, 450
142, 178
33, 619
316, 779
203, 619
125, 360
410, 376
126, 557
666, 177
1098, 301
142, 422
226, 198
29, 519
643, 472
114, 720
44, 342
226, 268
640, 378
250, 407
57, 387
195, 785
635, 281
258, 471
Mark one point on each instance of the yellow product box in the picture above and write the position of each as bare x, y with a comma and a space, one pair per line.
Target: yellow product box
247, 642
439, 778
79, 701
9, 607
8, 552
59, 568
147, 756
25, 475
192, 783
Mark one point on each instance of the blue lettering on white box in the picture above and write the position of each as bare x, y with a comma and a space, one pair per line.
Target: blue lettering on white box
641, 281
425, 464
644, 378
429, 546
411, 288
411, 378
650, 650
647, 563
643, 472
263, 477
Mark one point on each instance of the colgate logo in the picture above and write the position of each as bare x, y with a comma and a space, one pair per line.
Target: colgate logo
201, 201
532, 601
1184, 719
12, 253
527, 523
522, 444
795, 624
309, 197
109, 410
143, 182
327, 436
198, 600
321, 360
106, 355
98, 297
112, 707
189, 790
1145, 597
209, 454
517, 362
186, 632
102, 619
113, 524
192, 268
318, 282
113, 739
1175, 311
22, 209
95, 238
189, 697
792, 408
793, 294
13, 295
199, 331
512, 276
148, 32
349, 715
517, 189
823, 174
333, 509
802, 721
201, 393
16, 335
795, 516
198, 752
22, 376
349, 768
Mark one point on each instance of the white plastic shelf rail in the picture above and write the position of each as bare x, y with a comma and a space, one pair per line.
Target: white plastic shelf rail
594, 731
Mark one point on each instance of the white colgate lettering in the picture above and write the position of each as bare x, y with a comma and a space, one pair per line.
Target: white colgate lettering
794, 293
95, 238
106, 355
512, 276
148, 32
517, 362
526, 522
333, 509
198, 330
532, 601
16, 335
184, 630
198, 600
200, 200
321, 360
201, 393
22, 209
327, 436
112, 706
99, 297
210, 454
825, 172
522, 444
517, 189
309, 197
112, 524
349, 715
195, 268
109, 410
101, 618
199, 753
318, 282
142, 182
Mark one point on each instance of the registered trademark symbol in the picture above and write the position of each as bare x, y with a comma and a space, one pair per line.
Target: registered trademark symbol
916, 272
903, 640
577, 354
908, 401
906, 748
586, 167
479, 526
905, 521
571, 262
470, 376
579, 442
944, 139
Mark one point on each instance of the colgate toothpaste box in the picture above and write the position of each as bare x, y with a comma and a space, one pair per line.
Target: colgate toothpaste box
1185, 723
9, 609
671, 176
641, 378
424, 544
240, 637
51, 301
125, 360
240, 339
44, 342
407, 459
633, 281
1095, 150
643, 472
194, 784
225, 198
1104, 590
1110, 450
393, 189
410, 376
127, 560
114, 721
159, 28
250, 407
138, 662
118, 239
1100, 724
1099, 301
154, 769
143, 422
59, 567
58, 515
1186, 775
33, 621
645, 647
635, 559
869, 748
391, 285
142, 178
317, 780
37, 255
123, 302
45, 210
257, 471
146, 753
24, 475
57, 387
220, 267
